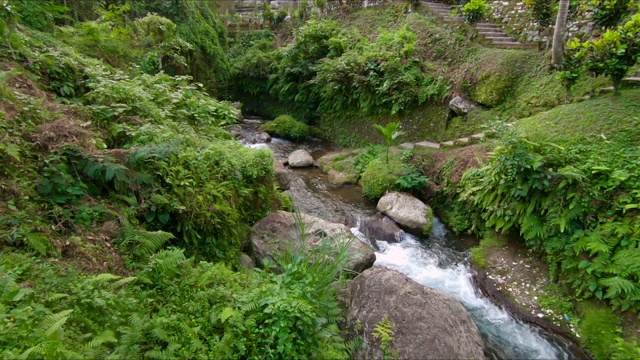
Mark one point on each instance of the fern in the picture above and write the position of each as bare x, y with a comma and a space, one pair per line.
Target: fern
38, 242
53, 323
168, 353
167, 262
146, 242
383, 331
106, 336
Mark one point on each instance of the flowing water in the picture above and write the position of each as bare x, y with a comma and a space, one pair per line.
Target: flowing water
432, 261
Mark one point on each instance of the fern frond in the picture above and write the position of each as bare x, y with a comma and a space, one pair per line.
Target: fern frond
617, 285
38, 242
105, 277
104, 337
168, 261
123, 282
146, 242
168, 353
52, 323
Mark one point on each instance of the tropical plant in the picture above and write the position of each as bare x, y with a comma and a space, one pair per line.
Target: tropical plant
608, 13
475, 11
390, 133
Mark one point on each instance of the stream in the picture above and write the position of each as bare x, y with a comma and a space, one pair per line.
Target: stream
439, 261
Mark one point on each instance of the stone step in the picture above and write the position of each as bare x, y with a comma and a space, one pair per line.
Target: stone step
447, 143
510, 45
491, 31
461, 141
631, 79
477, 137
406, 146
486, 27
500, 39
428, 144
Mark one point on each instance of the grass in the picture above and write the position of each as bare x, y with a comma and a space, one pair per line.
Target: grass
602, 120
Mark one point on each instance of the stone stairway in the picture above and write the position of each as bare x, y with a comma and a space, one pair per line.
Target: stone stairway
473, 139
490, 33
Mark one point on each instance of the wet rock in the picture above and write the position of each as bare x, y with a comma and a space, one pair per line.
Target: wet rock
246, 261
300, 158
280, 230
426, 324
283, 176
236, 134
381, 228
339, 178
324, 162
263, 138
410, 213
460, 105
251, 122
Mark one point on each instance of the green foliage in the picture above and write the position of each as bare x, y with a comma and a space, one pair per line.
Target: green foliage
611, 55
390, 133
383, 331
608, 13
410, 179
287, 127
377, 77
295, 68
252, 54
475, 11
293, 314
600, 329
566, 204
542, 11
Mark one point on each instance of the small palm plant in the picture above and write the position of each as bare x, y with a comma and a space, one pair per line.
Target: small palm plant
390, 133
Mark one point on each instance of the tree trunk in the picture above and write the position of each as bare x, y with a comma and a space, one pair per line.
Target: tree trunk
558, 35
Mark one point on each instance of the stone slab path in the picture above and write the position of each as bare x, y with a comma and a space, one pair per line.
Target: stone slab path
490, 33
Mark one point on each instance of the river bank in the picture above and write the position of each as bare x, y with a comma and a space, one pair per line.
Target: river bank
445, 269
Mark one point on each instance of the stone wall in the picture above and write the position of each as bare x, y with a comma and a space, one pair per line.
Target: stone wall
518, 22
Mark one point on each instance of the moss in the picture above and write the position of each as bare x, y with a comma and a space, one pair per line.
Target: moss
287, 127
489, 240
378, 177
426, 230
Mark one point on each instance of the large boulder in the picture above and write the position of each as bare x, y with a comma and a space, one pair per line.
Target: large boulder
460, 105
410, 213
426, 323
381, 228
281, 229
300, 158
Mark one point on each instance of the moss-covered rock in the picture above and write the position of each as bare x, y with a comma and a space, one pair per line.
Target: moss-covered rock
378, 177
285, 126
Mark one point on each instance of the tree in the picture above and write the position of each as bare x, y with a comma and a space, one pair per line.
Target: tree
390, 133
558, 35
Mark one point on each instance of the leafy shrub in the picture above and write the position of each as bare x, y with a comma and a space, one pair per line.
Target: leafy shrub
475, 11
611, 55
295, 68
376, 78
287, 127
542, 11
608, 13
566, 205
410, 179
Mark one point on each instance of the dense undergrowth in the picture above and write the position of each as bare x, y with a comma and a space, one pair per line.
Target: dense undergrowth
125, 201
